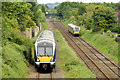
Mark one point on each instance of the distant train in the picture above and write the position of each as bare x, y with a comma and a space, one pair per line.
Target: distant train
45, 51
75, 30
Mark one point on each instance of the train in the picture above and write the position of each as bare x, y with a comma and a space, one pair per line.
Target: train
45, 51
75, 30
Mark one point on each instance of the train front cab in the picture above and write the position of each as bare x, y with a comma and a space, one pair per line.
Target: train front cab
76, 31
45, 57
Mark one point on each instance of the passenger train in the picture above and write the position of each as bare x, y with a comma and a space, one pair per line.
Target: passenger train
45, 51
75, 30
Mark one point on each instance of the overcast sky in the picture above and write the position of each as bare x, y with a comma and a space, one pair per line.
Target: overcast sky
84, 1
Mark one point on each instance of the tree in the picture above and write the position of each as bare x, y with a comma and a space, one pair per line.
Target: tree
105, 15
81, 9
39, 16
16, 12
43, 8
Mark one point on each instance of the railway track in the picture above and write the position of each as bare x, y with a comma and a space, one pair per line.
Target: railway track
98, 63
50, 77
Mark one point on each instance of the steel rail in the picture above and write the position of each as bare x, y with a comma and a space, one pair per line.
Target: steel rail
82, 51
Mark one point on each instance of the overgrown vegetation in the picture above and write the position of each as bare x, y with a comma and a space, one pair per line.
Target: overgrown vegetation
95, 19
69, 62
16, 48
95, 16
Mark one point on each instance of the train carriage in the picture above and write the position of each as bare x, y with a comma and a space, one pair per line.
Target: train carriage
75, 30
45, 50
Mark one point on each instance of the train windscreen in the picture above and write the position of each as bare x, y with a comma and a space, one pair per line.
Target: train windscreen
49, 51
76, 29
44, 51
41, 51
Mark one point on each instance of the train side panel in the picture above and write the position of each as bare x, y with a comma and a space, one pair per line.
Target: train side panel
71, 30
75, 30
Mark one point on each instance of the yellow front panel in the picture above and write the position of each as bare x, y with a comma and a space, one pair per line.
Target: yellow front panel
76, 32
44, 58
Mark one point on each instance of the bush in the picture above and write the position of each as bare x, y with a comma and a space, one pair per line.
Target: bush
18, 39
82, 30
101, 31
16, 54
109, 33
71, 18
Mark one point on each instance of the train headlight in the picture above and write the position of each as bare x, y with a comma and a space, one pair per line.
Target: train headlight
51, 60
38, 60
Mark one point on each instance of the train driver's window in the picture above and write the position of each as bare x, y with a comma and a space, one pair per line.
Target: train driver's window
49, 51
40, 51
76, 29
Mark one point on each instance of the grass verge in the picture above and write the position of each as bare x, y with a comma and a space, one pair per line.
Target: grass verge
14, 64
105, 44
69, 62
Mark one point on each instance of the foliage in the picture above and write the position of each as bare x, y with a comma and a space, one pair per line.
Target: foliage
16, 18
95, 16
39, 16
81, 9
53, 11
19, 14
82, 30
109, 33
103, 17
43, 9
39, 12
61, 9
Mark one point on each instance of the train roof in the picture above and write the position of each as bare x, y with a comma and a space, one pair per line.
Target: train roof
72, 25
46, 36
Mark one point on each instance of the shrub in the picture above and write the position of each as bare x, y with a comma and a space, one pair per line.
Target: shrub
71, 18
82, 30
101, 31
109, 33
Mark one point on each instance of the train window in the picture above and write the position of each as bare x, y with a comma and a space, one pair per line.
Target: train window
76, 29
40, 51
49, 51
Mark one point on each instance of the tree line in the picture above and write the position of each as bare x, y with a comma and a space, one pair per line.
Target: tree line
20, 16
95, 16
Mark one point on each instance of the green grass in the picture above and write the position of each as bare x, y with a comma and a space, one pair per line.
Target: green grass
0, 62
14, 64
16, 55
105, 44
69, 62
